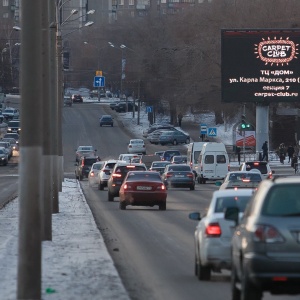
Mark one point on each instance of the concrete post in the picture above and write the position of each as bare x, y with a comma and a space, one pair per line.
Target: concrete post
262, 126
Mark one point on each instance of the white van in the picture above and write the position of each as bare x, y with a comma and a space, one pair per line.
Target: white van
213, 162
193, 152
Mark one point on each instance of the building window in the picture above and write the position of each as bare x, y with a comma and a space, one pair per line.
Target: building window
5, 2
5, 16
131, 2
121, 2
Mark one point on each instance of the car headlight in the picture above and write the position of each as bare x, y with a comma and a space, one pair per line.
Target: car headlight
2, 158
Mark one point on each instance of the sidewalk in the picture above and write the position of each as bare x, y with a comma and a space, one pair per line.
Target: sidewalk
75, 264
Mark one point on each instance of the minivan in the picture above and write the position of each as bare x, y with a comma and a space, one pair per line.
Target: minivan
193, 152
213, 162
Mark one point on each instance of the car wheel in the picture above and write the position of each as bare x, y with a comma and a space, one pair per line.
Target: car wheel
101, 186
235, 292
187, 141
204, 272
110, 197
163, 206
192, 187
248, 291
174, 142
122, 205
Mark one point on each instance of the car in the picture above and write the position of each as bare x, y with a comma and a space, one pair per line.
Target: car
266, 241
159, 153
113, 104
157, 127
118, 175
94, 171
77, 98
84, 165
178, 176
148, 159
68, 101
159, 166
262, 166
12, 135
8, 148
104, 173
94, 93
153, 137
143, 188
121, 107
3, 157
106, 120
128, 157
213, 233
174, 137
179, 159
84, 150
241, 179
136, 146
168, 154
14, 126
11, 113
13, 143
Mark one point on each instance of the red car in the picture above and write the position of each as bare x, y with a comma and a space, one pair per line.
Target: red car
143, 188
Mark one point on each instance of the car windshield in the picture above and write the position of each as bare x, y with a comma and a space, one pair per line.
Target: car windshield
244, 176
136, 142
133, 176
259, 166
180, 168
98, 166
160, 164
2, 152
85, 149
13, 124
110, 165
282, 200
125, 169
229, 201
168, 133
89, 161
171, 153
11, 135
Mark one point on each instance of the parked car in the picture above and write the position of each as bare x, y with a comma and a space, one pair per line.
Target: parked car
143, 189
121, 107
3, 157
262, 166
213, 233
106, 120
159, 166
158, 127
179, 176
94, 93
179, 159
266, 241
77, 98
84, 151
241, 179
83, 167
14, 126
153, 137
112, 105
136, 146
94, 171
105, 173
11, 113
118, 174
174, 137
168, 154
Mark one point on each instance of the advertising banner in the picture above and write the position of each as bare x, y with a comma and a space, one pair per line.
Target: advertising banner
250, 139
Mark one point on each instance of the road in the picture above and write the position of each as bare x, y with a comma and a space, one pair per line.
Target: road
153, 250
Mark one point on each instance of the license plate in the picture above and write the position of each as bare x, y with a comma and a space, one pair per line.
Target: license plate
144, 188
180, 176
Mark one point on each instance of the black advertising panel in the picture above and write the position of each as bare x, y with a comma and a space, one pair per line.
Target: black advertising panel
261, 66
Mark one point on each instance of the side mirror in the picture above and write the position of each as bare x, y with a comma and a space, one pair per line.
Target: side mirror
218, 183
232, 213
195, 216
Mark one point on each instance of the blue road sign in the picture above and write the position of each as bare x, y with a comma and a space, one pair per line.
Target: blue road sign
203, 129
99, 81
149, 109
212, 131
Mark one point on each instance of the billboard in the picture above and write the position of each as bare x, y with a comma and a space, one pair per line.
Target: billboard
260, 66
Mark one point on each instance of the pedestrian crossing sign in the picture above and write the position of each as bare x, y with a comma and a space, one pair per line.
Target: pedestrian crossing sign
212, 131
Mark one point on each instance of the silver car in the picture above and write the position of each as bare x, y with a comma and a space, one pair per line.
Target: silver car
93, 174
104, 173
213, 233
266, 242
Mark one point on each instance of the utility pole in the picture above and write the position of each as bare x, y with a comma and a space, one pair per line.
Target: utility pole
30, 200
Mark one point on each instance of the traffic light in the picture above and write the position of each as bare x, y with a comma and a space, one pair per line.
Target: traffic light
244, 124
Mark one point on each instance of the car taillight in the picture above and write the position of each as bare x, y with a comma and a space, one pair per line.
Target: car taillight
92, 174
190, 175
161, 187
245, 180
127, 187
170, 174
82, 164
267, 234
117, 175
270, 175
213, 230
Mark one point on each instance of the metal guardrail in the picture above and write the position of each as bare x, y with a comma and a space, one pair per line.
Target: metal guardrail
252, 156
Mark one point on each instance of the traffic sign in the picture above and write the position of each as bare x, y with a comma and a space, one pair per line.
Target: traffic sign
203, 129
149, 109
212, 131
99, 81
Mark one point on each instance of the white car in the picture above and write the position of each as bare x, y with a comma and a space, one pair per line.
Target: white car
136, 146
84, 150
213, 233
104, 173
93, 174
262, 166
128, 157
11, 113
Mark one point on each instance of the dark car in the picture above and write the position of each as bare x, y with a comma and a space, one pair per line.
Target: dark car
84, 166
77, 98
113, 105
106, 120
121, 107
168, 154
266, 241
143, 189
159, 166
3, 157
174, 137
14, 126
12, 135
118, 174
179, 176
